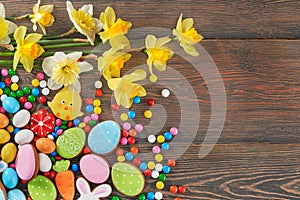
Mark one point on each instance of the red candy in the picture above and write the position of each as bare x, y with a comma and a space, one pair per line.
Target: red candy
171, 162
42, 100
119, 152
124, 133
87, 129
98, 93
7, 81
115, 107
23, 100
150, 102
89, 101
52, 174
173, 189
181, 189
42, 123
147, 172
131, 140
136, 161
86, 150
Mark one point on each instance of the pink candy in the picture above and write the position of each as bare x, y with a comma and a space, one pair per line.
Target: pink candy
2, 110
94, 117
40, 76
4, 72
156, 149
87, 119
123, 141
127, 126
139, 128
28, 105
174, 131
58, 122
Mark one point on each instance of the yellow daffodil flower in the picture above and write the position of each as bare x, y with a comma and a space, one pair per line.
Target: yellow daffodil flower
27, 49
187, 35
158, 54
7, 27
64, 69
83, 21
111, 63
42, 16
114, 30
125, 89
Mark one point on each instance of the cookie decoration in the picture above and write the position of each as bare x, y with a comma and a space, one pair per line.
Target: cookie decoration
42, 188
42, 123
127, 179
94, 168
65, 183
70, 143
84, 189
104, 137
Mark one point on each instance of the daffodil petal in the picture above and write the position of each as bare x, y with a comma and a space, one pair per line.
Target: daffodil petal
46, 8
2, 11
88, 8
113, 83
137, 75
11, 27
108, 17
53, 85
27, 63
36, 6
20, 34
59, 57
47, 65
162, 41
150, 41
119, 42
179, 22
33, 37
85, 66
42, 27
159, 65
189, 49
41, 51
99, 25
70, 7
17, 56
5, 40
187, 24
123, 99
74, 55
76, 86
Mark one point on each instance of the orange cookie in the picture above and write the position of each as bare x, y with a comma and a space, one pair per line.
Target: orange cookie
65, 182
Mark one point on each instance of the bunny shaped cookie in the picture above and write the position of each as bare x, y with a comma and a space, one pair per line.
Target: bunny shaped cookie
84, 189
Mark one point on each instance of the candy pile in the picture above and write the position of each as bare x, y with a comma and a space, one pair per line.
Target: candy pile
40, 146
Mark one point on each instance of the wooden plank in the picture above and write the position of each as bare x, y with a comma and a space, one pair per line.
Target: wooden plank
214, 19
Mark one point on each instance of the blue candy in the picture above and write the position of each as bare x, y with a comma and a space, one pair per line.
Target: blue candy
10, 178
11, 105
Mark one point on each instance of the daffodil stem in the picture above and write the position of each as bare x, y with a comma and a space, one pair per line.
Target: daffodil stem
79, 44
18, 18
10, 62
66, 34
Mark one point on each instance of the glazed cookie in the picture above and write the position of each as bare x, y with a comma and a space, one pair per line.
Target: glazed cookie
104, 137
84, 189
70, 143
16, 194
94, 168
27, 162
3, 195
42, 188
127, 179
65, 183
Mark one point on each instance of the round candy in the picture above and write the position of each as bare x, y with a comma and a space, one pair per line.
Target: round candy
137, 100
104, 137
168, 135
40, 76
131, 114
11, 105
94, 168
42, 188
11, 72
43, 84
45, 91
165, 146
4, 72
16, 194
150, 195
127, 179
98, 84
4, 136
151, 138
166, 169
148, 114
21, 118
150, 102
10, 178
158, 167
45, 145
70, 143
162, 177
27, 162
158, 195
165, 93
139, 128
181, 189
160, 185
8, 152
35, 91
4, 121
173, 189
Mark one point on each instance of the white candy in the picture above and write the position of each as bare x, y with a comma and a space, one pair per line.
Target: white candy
21, 118
24, 136
43, 84
15, 79
45, 163
165, 92
98, 84
3, 96
158, 195
50, 137
45, 91
151, 138
158, 167
155, 174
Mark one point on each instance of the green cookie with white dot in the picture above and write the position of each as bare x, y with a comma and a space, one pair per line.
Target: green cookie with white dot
42, 188
128, 179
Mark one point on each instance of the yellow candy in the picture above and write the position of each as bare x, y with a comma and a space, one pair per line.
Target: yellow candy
4, 136
160, 185
82, 125
124, 117
98, 110
35, 82
160, 139
1, 91
151, 165
148, 114
14, 87
121, 158
9, 152
97, 102
159, 157
10, 129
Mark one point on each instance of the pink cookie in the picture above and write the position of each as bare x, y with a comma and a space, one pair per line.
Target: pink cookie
94, 168
27, 162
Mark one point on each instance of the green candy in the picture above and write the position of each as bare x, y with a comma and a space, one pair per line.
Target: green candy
142, 197
11, 72
162, 177
31, 98
26, 90
20, 93
70, 143
42, 188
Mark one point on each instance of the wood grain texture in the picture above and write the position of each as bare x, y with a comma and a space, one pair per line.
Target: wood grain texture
257, 155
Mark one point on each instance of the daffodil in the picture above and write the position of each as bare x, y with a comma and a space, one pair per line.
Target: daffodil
84, 22
27, 49
125, 89
187, 35
158, 54
42, 16
114, 31
7, 27
111, 63
64, 69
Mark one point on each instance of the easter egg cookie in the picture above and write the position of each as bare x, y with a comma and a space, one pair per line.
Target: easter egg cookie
70, 143
127, 179
94, 168
84, 189
104, 137
3, 195
66, 104
41, 188
16, 194
42, 123
27, 162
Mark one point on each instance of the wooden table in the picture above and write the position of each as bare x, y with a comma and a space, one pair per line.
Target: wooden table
256, 49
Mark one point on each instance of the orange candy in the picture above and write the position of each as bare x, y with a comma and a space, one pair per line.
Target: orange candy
132, 132
45, 145
119, 152
171, 162
4, 121
134, 150
173, 189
